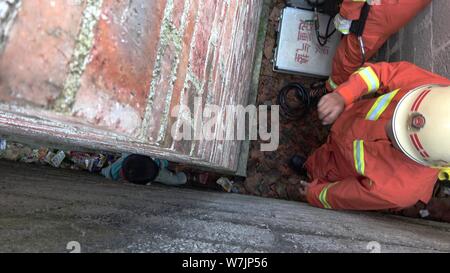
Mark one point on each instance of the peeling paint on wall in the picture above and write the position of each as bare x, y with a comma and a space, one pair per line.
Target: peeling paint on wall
8, 12
169, 35
114, 114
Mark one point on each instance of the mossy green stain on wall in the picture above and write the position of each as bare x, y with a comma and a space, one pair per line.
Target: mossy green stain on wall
80, 56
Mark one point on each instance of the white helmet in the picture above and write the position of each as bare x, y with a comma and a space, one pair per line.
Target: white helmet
421, 126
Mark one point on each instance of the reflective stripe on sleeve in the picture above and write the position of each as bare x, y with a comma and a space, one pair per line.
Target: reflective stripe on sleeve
370, 78
323, 197
333, 85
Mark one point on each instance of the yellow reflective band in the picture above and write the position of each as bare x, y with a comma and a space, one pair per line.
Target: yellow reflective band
323, 197
358, 154
381, 105
333, 85
370, 78
359, 70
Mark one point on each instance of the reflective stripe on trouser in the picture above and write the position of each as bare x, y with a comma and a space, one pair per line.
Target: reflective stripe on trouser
358, 154
381, 105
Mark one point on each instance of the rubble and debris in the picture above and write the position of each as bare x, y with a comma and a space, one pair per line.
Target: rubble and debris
36, 156
228, 185
424, 213
58, 159
203, 178
2, 144
15, 151
92, 162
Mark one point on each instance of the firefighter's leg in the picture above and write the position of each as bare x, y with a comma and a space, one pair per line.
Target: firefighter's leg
386, 20
383, 21
322, 165
346, 61
354, 193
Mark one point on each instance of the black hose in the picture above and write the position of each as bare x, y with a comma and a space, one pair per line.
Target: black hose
302, 95
322, 40
327, 33
315, 3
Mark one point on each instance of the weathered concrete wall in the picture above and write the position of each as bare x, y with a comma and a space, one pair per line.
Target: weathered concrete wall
123, 66
42, 209
425, 41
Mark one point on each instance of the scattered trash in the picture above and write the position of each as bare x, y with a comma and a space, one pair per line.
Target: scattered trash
36, 156
91, 162
53, 159
2, 144
73, 160
226, 184
58, 159
203, 178
48, 158
15, 151
424, 213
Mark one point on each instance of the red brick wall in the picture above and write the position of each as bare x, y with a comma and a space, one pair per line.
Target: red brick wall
122, 66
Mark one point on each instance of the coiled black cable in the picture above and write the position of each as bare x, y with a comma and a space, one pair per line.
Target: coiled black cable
303, 96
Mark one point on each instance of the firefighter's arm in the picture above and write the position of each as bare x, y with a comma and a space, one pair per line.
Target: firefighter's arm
382, 77
351, 9
348, 194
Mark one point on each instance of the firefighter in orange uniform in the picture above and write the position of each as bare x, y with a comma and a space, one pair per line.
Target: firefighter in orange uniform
385, 152
385, 18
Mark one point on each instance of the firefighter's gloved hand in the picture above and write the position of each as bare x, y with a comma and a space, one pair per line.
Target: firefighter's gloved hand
342, 25
330, 108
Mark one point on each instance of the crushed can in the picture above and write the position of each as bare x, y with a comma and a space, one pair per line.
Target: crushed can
226, 184
58, 159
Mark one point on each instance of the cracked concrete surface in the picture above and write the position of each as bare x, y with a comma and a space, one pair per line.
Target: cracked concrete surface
43, 209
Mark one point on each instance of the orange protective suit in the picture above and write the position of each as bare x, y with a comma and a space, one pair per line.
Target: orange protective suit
384, 20
358, 168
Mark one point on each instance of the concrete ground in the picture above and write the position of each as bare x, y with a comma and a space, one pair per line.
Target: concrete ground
43, 209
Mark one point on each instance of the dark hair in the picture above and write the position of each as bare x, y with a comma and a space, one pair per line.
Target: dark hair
139, 169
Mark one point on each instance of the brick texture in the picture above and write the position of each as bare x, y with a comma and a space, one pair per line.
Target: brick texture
36, 57
116, 82
122, 66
